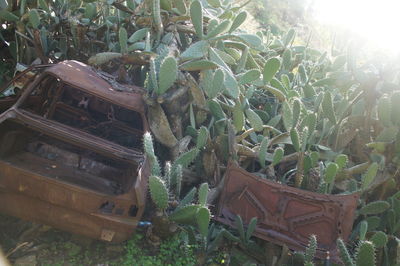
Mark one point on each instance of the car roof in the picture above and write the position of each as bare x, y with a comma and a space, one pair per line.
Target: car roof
84, 77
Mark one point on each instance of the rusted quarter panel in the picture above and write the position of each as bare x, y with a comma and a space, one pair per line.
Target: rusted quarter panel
71, 153
286, 215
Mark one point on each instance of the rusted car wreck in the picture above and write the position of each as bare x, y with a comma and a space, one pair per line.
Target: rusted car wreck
71, 152
71, 157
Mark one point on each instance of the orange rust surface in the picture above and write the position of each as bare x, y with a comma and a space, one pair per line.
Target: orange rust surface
286, 215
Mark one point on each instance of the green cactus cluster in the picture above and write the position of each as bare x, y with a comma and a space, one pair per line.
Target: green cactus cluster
321, 121
161, 188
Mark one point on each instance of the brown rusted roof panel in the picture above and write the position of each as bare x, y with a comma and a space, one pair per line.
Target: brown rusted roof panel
84, 77
286, 215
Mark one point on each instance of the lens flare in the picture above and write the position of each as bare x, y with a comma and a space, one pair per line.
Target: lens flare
378, 22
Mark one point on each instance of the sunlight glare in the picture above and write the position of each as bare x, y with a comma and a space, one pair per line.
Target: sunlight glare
376, 21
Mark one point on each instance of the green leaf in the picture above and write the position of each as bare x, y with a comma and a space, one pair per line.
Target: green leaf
369, 176
198, 65
250, 228
153, 76
308, 91
166, 4
196, 50
240, 227
219, 29
277, 156
43, 5
187, 199
270, 68
375, 207
341, 160
289, 37
90, 10
287, 115
303, 74
168, 74
286, 81
216, 110
250, 76
34, 18
379, 239
203, 220
304, 139
8, 16
202, 137
102, 58
228, 59
365, 254
251, 39
185, 215
287, 59
240, 18
277, 93
296, 112
327, 107
123, 40
138, 35
217, 85
330, 172
185, 159
294, 136
310, 250
181, 6
238, 117
311, 122
203, 193
214, 3
373, 222
254, 119
363, 229
344, 253
158, 192
196, 14
262, 153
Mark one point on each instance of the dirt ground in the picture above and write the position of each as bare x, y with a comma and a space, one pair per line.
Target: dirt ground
27, 243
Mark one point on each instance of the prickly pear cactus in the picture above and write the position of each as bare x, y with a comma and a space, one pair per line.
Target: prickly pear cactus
344, 253
311, 249
158, 192
365, 254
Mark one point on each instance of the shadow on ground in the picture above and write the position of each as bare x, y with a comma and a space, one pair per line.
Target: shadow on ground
27, 243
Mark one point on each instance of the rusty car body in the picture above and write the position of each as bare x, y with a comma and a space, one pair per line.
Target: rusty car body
71, 152
71, 157
286, 215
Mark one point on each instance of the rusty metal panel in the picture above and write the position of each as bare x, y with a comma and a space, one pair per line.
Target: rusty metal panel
286, 215
83, 76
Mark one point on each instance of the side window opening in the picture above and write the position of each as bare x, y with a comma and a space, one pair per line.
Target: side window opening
79, 109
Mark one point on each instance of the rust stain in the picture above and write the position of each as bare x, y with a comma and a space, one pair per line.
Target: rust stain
286, 215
